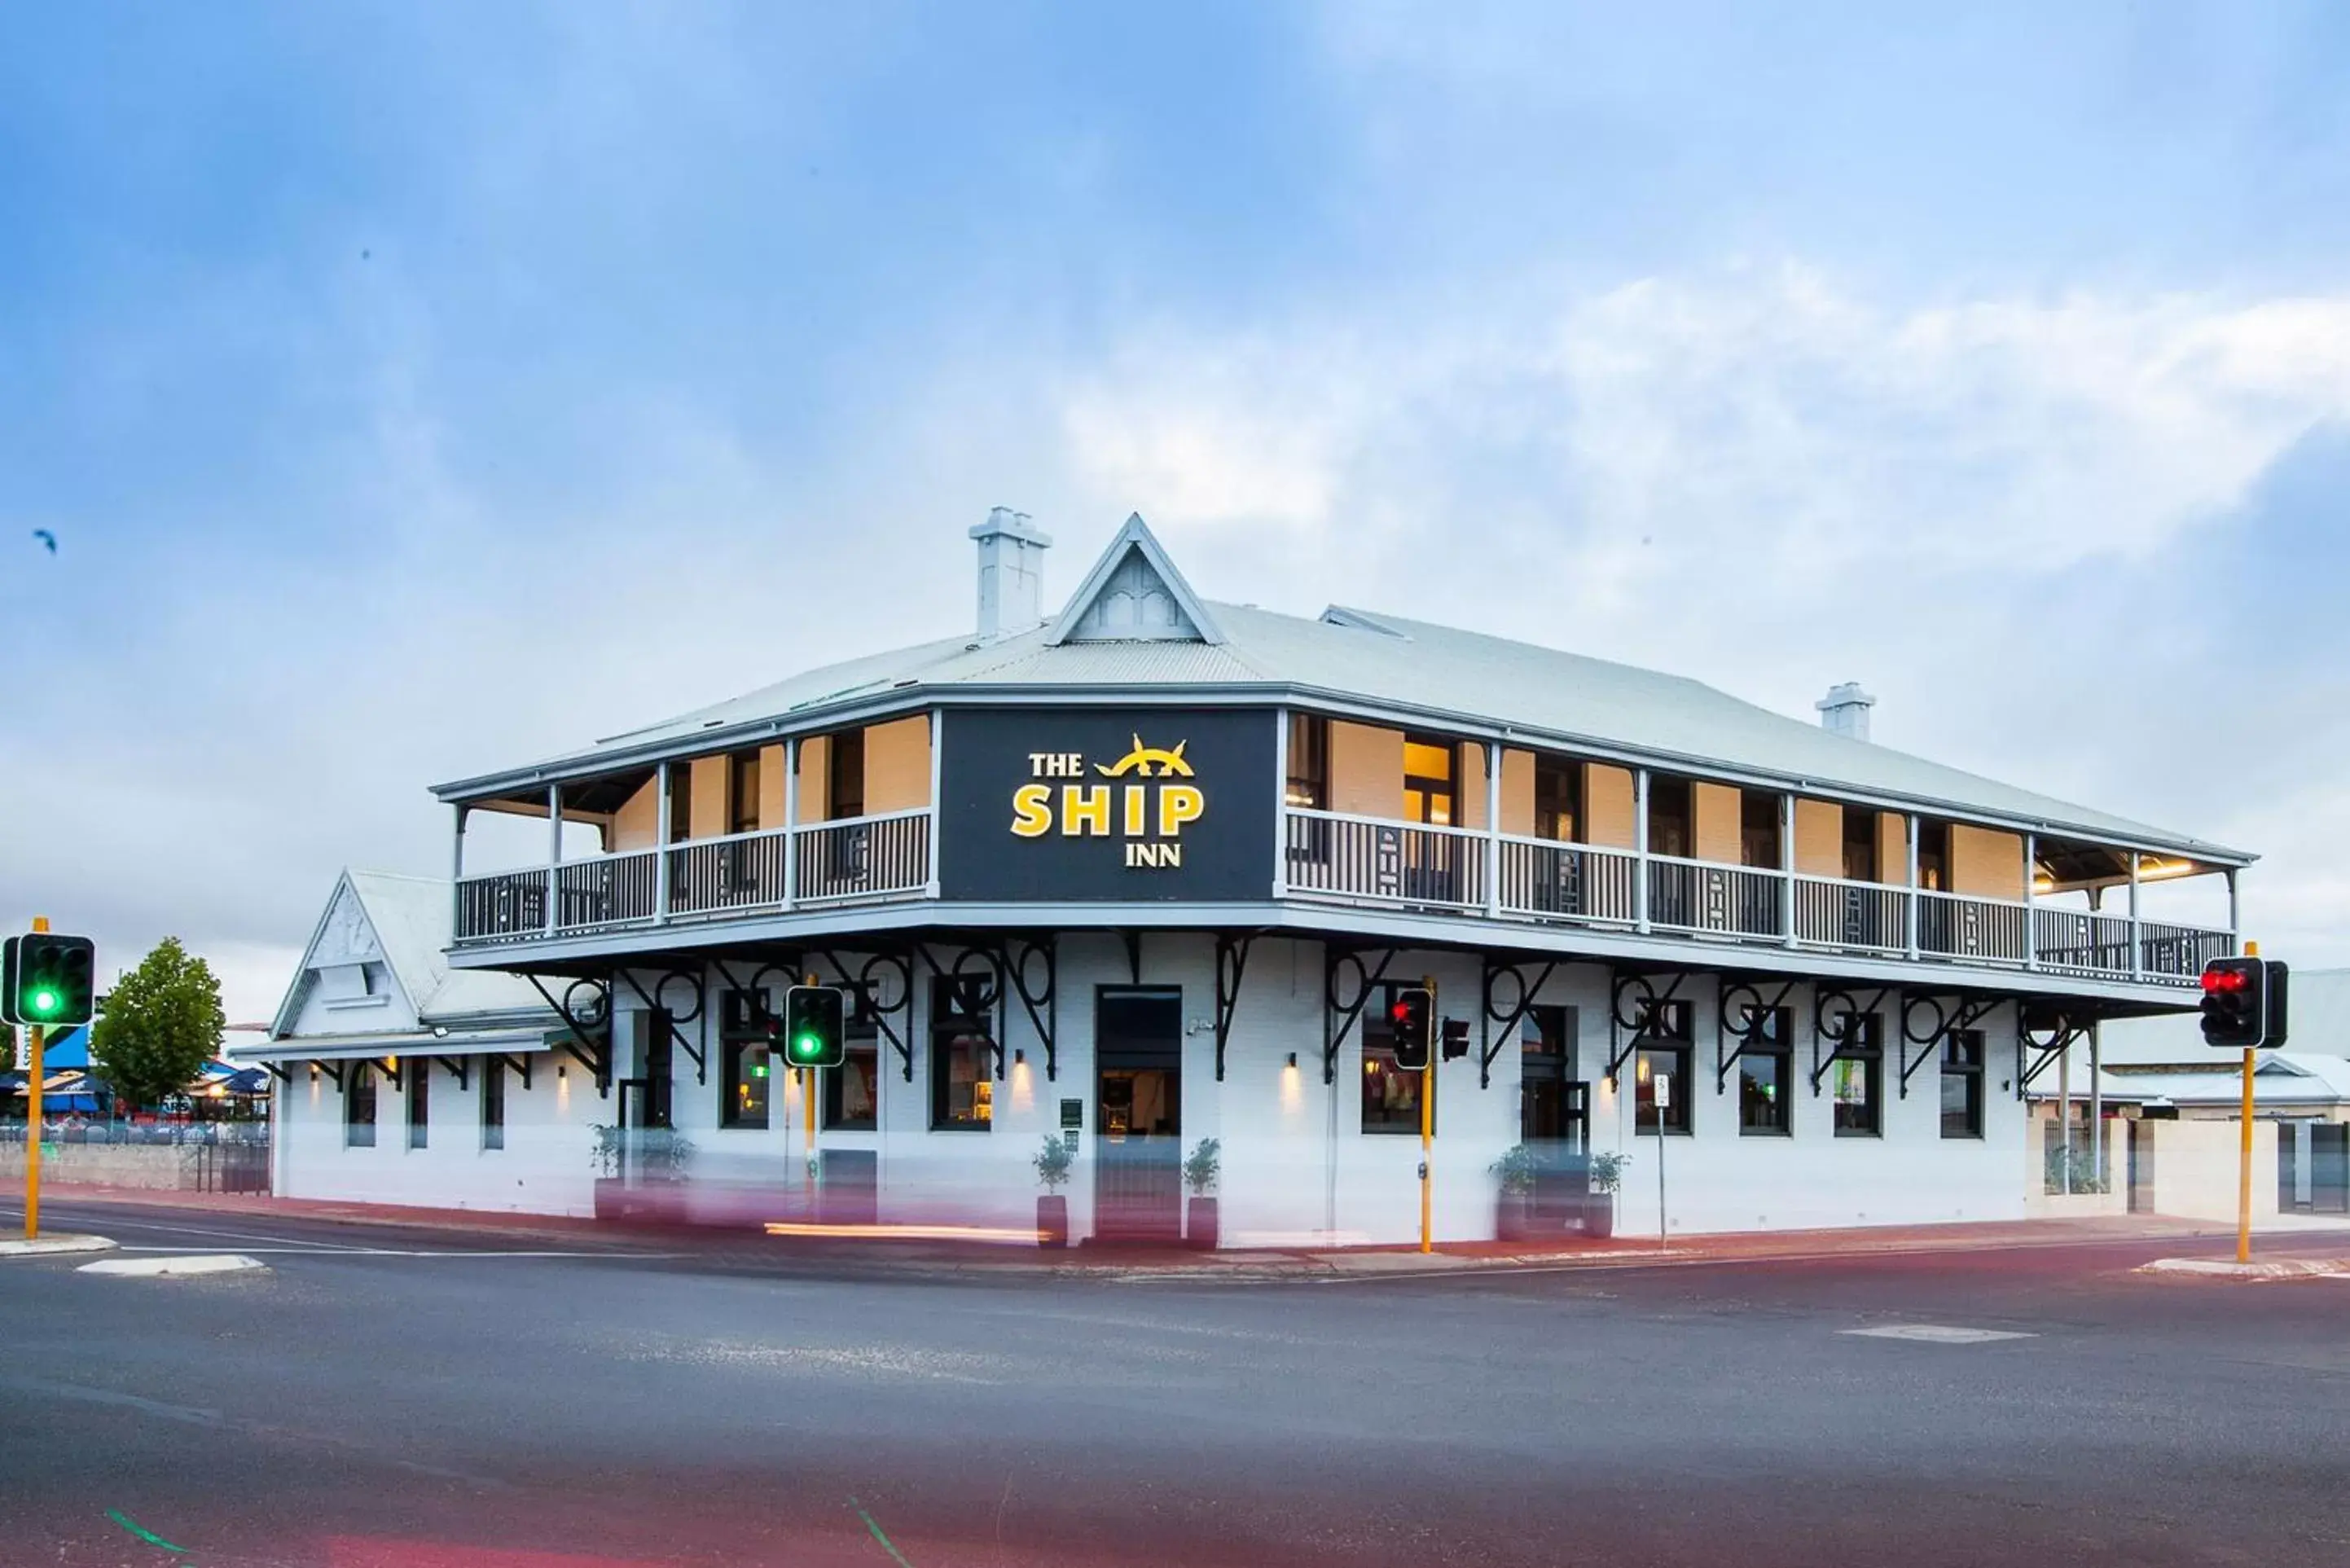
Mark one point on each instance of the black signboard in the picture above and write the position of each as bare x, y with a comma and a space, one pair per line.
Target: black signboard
1142, 804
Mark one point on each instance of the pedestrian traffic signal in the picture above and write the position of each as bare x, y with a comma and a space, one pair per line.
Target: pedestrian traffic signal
45, 979
812, 1026
2235, 1003
1456, 1039
1409, 1013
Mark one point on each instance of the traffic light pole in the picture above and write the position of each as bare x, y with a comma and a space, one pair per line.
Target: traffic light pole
1428, 1124
34, 1041
2244, 1152
807, 1108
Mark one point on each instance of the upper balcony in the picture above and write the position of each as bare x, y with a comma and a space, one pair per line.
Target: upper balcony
1383, 820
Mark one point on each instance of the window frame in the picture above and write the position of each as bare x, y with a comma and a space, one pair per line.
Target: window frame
1309, 742
1759, 828
947, 1031
860, 1037
1971, 1073
1682, 816
1429, 787
416, 1096
1559, 806
1379, 1045
844, 743
494, 1103
1780, 1050
743, 790
1869, 1058
359, 1076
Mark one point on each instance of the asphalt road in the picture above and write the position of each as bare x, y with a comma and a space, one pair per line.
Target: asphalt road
416, 1397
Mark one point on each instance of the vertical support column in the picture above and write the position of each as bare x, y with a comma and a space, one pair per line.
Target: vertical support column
938, 731
1911, 825
1281, 802
2235, 916
2096, 1110
1787, 869
2137, 946
792, 815
2065, 1116
1640, 847
1493, 829
660, 843
2030, 900
457, 878
553, 852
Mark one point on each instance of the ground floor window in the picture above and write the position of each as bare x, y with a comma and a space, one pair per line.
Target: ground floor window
1765, 1072
419, 1100
1391, 1094
1962, 1084
1660, 1087
745, 1061
1857, 1081
852, 1090
493, 1102
358, 1107
962, 1056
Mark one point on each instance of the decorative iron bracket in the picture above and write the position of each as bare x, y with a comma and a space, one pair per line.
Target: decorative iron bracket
1626, 1030
1948, 1015
1744, 1000
874, 987
457, 1066
1133, 939
588, 1022
1348, 1007
653, 1004
1041, 1001
980, 965
1231, 962
1508, 1016
2047, 1033
1834, 1027
519, 1062
282, 1075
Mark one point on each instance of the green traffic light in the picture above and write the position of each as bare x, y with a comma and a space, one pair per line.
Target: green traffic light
45, 1003
807, 1047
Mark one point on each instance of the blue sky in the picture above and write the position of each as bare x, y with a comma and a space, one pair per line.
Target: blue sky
417, 388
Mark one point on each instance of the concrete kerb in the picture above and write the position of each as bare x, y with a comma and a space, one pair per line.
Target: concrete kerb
179, 1267
50, 1246
2250, 1274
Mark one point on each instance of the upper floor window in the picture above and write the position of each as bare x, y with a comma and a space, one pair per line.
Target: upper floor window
1309, 762
1668, 816
1559, 798
844, 775
1859, 845
1431, 781
1758, 828
743, 793
1934, 855
680, 802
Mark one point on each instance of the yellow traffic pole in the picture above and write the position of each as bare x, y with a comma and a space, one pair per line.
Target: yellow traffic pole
2244, 1153
34, 1041
1428, 1117
807, 1107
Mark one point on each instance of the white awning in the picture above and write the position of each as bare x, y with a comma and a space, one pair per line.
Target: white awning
408, 1043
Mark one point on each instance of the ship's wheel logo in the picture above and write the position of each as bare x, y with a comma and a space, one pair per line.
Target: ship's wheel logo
1148, 762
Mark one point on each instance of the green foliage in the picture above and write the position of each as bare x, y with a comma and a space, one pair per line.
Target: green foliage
1052, 1162
1202, 1165
162, 1023
1607, 1170
1518, 1170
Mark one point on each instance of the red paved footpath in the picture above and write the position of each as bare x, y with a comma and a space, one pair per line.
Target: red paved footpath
1447, 1257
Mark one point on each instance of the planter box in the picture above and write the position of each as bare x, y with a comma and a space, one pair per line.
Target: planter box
1053, 1221
1599, 1215
1200, 1226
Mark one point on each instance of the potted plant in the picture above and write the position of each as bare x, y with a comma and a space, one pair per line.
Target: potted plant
1052, 1163
629, 1159
1200, 1169
1513, 1205
1607, 1176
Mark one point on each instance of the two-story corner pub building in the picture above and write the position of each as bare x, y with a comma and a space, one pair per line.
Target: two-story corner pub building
1146, 873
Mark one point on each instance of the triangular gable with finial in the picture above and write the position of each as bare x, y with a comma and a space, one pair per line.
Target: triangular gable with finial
1134, 594
349, 981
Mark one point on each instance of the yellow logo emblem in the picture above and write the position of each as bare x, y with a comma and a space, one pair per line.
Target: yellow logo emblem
1143, 759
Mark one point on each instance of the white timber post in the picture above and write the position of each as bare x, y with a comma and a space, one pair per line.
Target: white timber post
553, 852
660, 843
938, 734
2097, 1110
457, 877
2235, 912
2137, 948
1493, 829
1640, 847
1281, 802
2031, 901
792, 817
1911, 825
1787, 869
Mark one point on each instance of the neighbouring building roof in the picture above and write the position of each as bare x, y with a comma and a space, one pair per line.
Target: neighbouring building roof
2318, 1018
1544, 694
378, 920
2281, 1079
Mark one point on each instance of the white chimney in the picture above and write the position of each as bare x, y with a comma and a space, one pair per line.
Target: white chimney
1011, 573
1845, 710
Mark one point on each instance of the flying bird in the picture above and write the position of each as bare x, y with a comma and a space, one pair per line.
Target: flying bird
46, 537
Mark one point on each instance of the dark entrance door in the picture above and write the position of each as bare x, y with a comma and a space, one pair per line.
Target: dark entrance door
1139, 1114
2329, 1167
1554, 1116
2141, 1167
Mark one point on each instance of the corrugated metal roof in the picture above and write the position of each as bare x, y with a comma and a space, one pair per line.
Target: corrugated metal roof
2295, 1078
1416, 665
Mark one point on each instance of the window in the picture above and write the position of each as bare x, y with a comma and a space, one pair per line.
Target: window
1934, 855
1665, 1052
493, 1102
358, 1107
743, 793
1962, 1084
1859, 845
844, 767
1757, 829
962, 1057
1668, 816
1856, 1079
1429, 775
1309, 762
1390, 1095
745, 1061
680, 802
852, 1090
1559, 798
419, 1100
1765, 1074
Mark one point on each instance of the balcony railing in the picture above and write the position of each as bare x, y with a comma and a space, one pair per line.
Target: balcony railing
1352, 859
885, 857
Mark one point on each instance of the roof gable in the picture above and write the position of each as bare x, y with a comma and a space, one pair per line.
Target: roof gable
347, 969
1134, 594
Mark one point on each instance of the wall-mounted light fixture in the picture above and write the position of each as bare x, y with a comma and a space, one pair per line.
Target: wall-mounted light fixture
1020, 1057
562, 1070
1293, 1058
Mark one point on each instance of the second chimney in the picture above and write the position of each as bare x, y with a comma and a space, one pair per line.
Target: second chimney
1845, 710
1011, 573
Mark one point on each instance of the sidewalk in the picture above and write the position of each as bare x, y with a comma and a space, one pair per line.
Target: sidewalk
1286, 1263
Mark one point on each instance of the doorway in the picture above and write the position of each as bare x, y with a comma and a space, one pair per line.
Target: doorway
1139, 1114
2141, 1167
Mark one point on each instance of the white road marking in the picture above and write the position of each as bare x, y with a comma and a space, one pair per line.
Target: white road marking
410, 1252
1936, 1333
164, 1268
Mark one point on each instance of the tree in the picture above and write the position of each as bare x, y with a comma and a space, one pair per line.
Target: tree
162, 1023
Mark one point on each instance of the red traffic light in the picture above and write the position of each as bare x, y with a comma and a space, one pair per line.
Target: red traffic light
2223, 979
